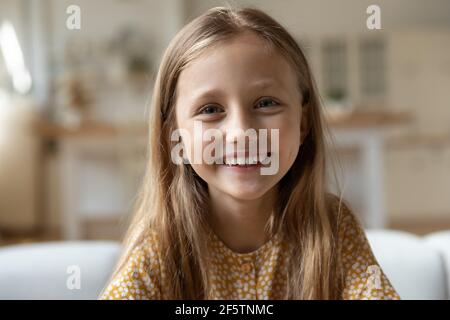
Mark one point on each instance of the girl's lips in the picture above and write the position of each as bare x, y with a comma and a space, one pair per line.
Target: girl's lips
247, 168
246, 160
242, 168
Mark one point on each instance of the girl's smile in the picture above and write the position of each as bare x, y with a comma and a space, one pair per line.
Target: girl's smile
245, 162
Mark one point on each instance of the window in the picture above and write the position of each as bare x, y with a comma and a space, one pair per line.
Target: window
334, 55
372, 68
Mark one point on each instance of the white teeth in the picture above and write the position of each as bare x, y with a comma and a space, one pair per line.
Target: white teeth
230, 162
241, 161
264, 159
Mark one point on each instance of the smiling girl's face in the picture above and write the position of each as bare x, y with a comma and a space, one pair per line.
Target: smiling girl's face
240, 85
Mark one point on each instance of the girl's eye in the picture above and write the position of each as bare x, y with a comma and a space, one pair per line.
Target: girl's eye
210, 109
263, 103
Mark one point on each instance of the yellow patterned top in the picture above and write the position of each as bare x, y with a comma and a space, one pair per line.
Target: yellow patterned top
260, 274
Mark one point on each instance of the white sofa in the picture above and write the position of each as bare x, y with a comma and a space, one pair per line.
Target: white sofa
418, 267
41, 271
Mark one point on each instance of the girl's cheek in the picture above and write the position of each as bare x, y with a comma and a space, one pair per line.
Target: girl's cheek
289, 145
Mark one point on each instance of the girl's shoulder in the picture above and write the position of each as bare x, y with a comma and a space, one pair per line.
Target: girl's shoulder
148, 243
364, 278
145, 248
345, 220
350, 235
140, 275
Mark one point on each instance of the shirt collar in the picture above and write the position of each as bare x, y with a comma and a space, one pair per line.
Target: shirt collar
263, 252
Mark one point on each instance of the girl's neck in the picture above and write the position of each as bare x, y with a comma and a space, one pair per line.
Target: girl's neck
240, 224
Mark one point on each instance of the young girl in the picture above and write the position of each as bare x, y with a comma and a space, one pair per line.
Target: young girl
224, 230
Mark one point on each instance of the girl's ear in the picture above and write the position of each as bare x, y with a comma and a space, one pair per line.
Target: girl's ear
305, 122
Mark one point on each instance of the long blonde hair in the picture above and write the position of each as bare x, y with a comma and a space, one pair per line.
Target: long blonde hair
173, 200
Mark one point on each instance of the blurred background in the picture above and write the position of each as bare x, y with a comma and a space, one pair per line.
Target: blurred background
72, 107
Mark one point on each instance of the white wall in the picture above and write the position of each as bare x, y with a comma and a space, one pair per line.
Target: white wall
418, 173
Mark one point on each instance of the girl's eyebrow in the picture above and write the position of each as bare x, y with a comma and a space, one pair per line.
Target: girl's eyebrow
261, 84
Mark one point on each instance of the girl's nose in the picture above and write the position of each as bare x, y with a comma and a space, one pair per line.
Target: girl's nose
237, 125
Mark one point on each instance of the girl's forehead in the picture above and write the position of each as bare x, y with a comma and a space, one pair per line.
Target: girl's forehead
249, 38
239, 51
241, 60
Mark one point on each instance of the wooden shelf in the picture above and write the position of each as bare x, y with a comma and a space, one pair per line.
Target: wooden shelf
367, 119
420, 141
54, 130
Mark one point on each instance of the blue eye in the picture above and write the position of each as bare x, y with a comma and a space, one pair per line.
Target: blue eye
210, 109
264, 105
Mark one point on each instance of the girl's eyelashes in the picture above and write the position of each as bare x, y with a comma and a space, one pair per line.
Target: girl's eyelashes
262, 106
210, 109
215, 110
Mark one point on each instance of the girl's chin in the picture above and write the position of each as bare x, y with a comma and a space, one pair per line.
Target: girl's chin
245, 183
245, 193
